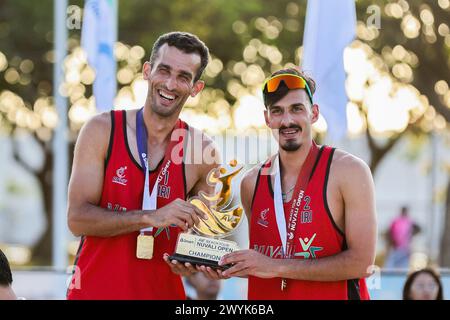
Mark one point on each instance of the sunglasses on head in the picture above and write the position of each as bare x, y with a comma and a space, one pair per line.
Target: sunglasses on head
292, 81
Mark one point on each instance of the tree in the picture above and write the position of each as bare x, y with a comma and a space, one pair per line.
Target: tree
419, 55
26, 61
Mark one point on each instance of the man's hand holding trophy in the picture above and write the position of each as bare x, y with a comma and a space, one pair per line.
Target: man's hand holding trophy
204, 243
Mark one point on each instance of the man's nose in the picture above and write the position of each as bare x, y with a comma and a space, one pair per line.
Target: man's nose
286, 120
171, 83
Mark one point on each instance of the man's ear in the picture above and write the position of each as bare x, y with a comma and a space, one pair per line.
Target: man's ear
146, 70
315, 113
198, 86
266, 117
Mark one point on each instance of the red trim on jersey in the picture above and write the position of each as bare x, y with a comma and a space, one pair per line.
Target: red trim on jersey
108, 267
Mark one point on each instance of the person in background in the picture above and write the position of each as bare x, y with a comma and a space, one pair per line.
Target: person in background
6, 291
203, 287
424, 284
400, 234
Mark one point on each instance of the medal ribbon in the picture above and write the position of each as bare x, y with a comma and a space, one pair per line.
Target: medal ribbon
287, 233
149, 200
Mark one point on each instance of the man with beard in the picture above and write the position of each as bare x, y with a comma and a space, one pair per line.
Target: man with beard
129, 217
310, 208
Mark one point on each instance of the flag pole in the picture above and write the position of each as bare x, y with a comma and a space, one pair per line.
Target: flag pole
434, 221
59, 143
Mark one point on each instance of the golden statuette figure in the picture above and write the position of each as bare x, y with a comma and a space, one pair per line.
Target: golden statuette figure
205, 245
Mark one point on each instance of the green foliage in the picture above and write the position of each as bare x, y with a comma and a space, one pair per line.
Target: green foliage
26, 33
225, 26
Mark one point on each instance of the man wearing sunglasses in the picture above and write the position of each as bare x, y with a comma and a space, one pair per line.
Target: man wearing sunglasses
311, 208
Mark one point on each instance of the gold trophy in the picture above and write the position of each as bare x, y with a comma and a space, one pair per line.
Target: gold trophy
204, 244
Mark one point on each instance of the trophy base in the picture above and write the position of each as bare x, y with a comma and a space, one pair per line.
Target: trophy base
199, 262
199, 250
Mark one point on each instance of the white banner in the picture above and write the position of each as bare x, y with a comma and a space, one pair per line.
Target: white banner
330, 26
98, 36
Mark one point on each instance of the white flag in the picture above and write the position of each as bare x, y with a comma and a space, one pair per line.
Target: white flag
330, 26
97, 39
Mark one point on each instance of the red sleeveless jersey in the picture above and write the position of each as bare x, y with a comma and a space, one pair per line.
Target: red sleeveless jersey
107, 268
316, 236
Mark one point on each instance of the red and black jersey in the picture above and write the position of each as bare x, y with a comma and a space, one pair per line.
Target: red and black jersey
316, 236
107, 268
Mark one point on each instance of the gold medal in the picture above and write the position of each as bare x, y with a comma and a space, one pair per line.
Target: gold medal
144, 249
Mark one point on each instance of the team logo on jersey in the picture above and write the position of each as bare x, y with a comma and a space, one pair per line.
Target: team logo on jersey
166, 229
119, 178
308, 250
262, 221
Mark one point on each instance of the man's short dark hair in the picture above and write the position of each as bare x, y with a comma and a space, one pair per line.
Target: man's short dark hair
186, 42
5, 271
282, 90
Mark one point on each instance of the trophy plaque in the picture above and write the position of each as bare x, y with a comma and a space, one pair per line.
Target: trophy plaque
204, 244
